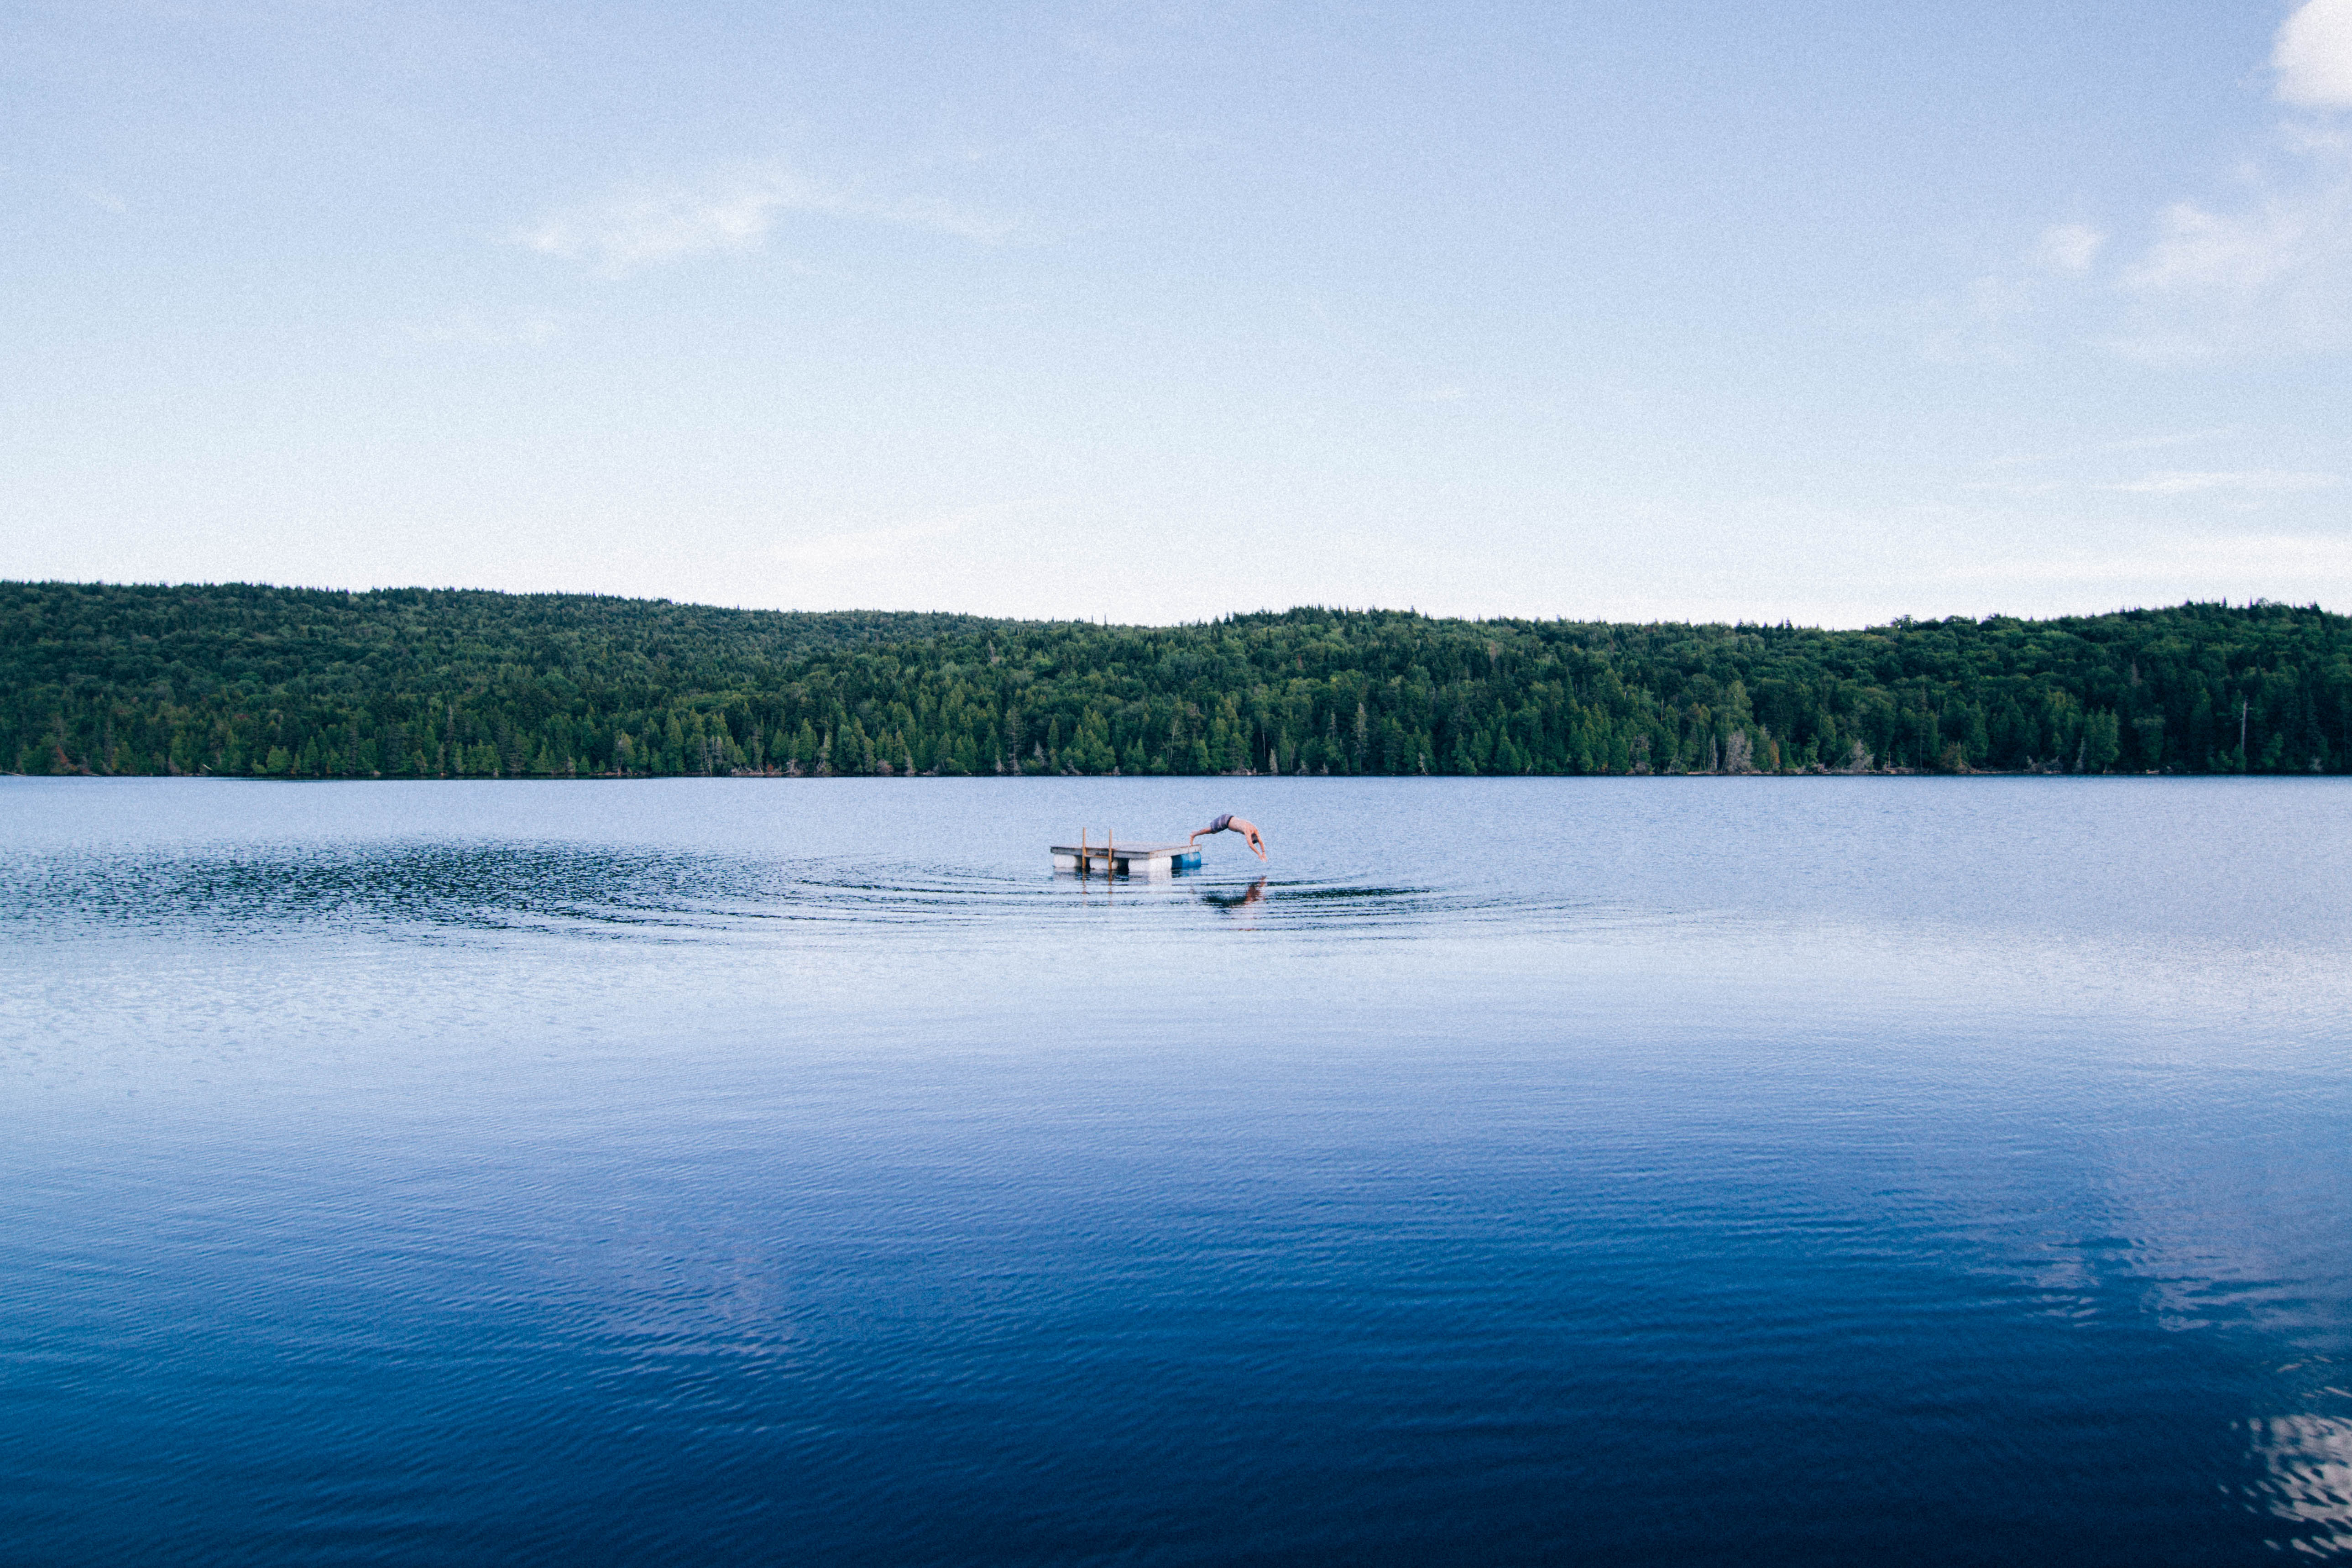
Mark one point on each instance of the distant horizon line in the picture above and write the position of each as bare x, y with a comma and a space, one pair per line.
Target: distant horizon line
2223, 603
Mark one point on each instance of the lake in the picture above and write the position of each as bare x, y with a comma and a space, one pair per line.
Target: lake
1804, 1170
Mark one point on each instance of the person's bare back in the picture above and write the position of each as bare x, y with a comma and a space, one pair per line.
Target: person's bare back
1229, 824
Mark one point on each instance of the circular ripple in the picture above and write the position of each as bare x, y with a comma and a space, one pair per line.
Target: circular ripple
592, 891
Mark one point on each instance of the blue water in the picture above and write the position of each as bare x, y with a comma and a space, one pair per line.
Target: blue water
1623, 1170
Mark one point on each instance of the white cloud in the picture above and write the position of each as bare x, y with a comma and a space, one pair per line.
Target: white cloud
643, 225
2069, 247
2313, 56
2180, 481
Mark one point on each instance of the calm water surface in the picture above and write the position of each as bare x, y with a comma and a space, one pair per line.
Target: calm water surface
1623, 1171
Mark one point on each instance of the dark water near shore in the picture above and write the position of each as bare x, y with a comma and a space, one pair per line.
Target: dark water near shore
1623, 1170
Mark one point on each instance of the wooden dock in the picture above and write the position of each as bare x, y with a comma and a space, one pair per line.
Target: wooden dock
1112, 858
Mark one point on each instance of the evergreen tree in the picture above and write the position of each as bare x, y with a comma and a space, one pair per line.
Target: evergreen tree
408, 683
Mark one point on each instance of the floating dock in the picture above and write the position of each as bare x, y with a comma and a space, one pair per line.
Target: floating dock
1112, 858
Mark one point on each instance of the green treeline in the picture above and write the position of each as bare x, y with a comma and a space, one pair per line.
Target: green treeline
415, 683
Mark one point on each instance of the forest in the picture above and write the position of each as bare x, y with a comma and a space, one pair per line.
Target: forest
249, 681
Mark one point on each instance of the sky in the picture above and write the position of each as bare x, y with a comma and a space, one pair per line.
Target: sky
1818, 311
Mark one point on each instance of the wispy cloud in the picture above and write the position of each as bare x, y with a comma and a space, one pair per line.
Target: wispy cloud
2183, 482
2069, 247
2272, 275
2281, 234
2125, 444
639, 226
2020, 488
2168, 482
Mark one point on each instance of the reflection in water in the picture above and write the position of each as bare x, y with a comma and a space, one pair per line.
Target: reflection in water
2307, 1461
1242, 908
1253, 894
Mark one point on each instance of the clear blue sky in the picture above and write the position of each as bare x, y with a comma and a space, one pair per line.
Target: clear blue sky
1827, 312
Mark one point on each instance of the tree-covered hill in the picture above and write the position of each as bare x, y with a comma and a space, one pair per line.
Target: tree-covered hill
411, 683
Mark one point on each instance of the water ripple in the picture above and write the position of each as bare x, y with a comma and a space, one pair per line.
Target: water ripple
607, 892
2307, 1465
